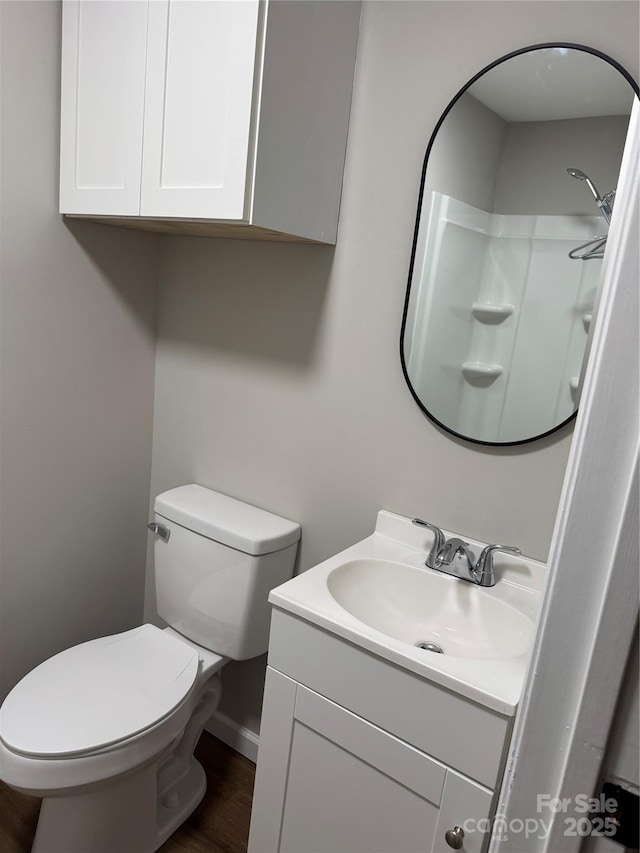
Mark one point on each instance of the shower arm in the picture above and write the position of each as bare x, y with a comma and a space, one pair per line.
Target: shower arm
605, 205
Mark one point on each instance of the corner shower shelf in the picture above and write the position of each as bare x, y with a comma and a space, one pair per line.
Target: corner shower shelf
480, 372
491, 312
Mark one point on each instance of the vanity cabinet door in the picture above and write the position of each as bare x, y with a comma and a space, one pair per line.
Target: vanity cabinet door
198, 108
329, 782
103, 80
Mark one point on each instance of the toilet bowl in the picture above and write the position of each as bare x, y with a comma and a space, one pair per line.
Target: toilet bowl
105, 731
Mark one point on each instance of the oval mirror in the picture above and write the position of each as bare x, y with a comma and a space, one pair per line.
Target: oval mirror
517, 190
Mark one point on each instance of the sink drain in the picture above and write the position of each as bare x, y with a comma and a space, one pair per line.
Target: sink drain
431, 647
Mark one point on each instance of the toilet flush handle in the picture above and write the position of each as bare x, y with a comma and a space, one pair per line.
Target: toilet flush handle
162, 531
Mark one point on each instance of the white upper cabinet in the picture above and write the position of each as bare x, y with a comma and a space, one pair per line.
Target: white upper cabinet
215, 117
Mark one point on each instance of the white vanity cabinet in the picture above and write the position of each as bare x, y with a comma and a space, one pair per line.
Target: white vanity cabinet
359, 756
207, 116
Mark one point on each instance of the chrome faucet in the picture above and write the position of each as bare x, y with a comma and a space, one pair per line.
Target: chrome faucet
455, 557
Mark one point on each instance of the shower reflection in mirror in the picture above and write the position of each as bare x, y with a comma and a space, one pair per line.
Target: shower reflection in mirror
500, 303
593, 249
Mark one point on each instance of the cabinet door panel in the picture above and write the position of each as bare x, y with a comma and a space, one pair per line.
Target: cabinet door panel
198, 108
102, 106
353, 788
338, 803
391, 756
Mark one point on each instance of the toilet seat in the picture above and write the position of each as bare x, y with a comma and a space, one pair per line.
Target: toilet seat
98, 695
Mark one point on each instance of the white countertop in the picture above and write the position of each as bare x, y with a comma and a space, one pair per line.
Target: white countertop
495, 683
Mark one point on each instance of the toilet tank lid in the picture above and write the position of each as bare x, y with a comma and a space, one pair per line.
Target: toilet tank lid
227, 520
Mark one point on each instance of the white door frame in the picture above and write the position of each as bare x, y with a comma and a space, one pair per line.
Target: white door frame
590, 607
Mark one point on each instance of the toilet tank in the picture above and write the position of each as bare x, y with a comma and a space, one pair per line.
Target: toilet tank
217, 566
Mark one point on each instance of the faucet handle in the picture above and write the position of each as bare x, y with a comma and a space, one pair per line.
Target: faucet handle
483, 572
433, 560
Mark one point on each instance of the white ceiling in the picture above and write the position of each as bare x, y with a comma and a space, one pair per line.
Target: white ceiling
553, 83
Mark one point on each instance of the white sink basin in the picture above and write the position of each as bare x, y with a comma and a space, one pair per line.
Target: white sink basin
379, 595
416, 605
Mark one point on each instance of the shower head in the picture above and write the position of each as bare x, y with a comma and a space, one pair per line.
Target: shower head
576, 173
604, 203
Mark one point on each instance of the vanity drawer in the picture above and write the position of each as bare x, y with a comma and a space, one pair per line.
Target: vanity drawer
456, 731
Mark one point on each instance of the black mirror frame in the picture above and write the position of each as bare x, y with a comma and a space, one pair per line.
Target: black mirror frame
545, 46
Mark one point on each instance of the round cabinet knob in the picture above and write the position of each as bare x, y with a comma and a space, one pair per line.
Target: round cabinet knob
454, 837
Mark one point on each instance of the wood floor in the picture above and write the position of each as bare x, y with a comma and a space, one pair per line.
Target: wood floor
220, 824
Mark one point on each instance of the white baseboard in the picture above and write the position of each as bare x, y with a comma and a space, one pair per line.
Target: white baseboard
236, 736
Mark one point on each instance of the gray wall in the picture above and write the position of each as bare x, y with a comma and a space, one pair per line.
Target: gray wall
532, 177
465, 156
278, 377
77, 369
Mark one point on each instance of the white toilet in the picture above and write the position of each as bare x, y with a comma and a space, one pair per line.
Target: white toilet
105, 731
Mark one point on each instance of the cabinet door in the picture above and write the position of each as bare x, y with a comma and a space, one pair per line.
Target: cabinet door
103, 78
329, 782
198, 108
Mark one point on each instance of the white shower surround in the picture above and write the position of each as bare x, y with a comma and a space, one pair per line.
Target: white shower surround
496, 348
